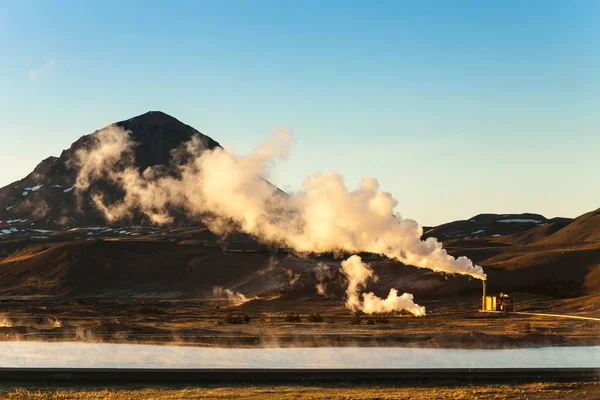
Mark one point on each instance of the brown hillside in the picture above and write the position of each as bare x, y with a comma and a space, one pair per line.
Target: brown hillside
536, 234
125, 268
585, 228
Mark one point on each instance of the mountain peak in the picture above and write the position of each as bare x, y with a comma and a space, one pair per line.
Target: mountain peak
47, 192
156, 134
152, 117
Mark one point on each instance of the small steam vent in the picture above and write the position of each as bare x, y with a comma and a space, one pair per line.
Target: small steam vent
501, 302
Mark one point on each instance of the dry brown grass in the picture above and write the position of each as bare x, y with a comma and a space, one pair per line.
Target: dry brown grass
589, 390
452, 323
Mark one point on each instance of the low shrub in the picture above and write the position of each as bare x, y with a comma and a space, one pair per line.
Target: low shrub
237, 319
291, 317
377, 320
314, 317
525, 327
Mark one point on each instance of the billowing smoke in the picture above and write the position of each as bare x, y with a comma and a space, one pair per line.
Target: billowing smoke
110, 145
322, 274
5, 322
229, 193
234, 298
273, 262
358, 274
37, 323
294, 277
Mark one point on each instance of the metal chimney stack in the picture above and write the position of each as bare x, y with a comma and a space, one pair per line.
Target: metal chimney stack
483, 297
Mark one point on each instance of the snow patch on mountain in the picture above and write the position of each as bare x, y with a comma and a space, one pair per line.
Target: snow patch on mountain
519, 220
35, 188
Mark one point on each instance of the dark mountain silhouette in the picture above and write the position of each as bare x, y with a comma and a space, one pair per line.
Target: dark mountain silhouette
486, 225
46, 198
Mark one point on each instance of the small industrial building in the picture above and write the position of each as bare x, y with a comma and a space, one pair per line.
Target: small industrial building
501, 302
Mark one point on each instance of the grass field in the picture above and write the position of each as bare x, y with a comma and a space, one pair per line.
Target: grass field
588, 390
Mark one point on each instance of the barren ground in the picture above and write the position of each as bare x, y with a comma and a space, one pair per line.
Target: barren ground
452, 323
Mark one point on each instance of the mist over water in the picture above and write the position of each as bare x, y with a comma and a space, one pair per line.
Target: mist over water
104, 355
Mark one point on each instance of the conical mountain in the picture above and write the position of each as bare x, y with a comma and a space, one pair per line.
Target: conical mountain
46, 196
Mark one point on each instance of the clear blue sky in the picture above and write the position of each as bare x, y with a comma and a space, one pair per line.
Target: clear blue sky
456, 107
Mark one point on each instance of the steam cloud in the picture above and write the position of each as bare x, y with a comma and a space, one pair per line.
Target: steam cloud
358, 274
229, 194
293, 277
322, 273
5, 322
37, 323
234, 298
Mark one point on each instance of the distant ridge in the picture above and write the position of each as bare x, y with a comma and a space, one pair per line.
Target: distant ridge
491, 225
584, 229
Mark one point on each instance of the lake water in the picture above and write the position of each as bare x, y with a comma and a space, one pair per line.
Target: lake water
105, 355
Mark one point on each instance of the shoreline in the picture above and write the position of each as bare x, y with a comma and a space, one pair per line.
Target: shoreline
449, 342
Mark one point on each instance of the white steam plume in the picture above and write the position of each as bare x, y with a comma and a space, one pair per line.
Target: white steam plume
273, 262
322, 273
5, 322
229, 193
234, 298
37, 323
293, 277
109, 146
358, 274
